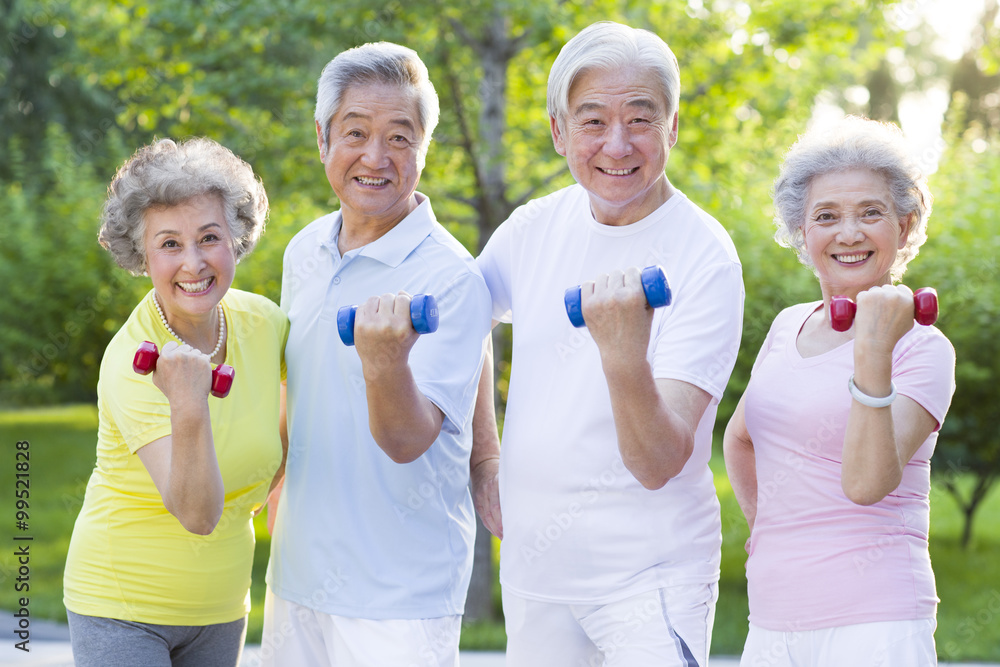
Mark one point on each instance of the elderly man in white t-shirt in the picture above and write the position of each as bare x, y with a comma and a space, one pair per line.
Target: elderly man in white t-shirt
610, 522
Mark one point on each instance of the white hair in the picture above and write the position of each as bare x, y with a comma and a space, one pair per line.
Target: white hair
378, 62
612, 46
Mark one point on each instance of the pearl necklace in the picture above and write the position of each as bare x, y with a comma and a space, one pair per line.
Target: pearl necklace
222, 327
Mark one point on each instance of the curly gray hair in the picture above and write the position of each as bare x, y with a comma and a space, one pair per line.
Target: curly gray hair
166, 173
851, 143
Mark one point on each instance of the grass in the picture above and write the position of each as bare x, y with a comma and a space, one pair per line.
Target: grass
62, 455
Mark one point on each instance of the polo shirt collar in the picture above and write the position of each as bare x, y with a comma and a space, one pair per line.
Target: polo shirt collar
395, 245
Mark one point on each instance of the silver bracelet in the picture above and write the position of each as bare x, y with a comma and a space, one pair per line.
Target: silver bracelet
871, 401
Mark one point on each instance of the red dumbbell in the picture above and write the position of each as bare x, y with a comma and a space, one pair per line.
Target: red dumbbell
145, 362
925, 307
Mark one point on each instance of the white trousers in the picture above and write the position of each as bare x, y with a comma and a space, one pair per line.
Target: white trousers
295, 636
884, 644
668, 627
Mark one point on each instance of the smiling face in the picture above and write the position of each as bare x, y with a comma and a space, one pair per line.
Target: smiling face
371, 161
616, 139
190, 259
852, 231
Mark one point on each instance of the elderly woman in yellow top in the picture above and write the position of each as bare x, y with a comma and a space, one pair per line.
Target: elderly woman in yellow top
158, 570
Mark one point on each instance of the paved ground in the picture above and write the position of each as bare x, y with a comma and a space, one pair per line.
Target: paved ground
50, 648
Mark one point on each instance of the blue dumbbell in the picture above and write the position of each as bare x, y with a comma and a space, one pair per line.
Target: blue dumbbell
423, 316
654, 284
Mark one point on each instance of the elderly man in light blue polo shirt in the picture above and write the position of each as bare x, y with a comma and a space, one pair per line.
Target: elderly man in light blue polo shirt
372, 548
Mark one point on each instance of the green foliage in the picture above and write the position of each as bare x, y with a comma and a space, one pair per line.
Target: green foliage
961, 259
63, 299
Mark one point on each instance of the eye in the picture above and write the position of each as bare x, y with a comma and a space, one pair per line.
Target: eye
354, 134
170, 243
400, 139
824, 216
635, 121
210, 238
873, 213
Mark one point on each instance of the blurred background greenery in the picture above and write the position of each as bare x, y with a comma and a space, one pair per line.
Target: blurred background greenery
83, 83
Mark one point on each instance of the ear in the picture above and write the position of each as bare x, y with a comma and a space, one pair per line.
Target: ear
557, 136
905, 226
319, 143
673, 131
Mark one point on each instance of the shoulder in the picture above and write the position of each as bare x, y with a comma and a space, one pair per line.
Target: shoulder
701, 224
311, 233
559, 204
248, 305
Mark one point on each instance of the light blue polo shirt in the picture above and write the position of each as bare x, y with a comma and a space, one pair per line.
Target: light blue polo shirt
356, 534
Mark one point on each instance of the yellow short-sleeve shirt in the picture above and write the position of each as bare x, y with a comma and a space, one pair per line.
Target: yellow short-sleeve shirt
129, 558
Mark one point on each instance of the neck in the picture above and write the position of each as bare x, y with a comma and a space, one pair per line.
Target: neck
634, 211
359, 230
201, 333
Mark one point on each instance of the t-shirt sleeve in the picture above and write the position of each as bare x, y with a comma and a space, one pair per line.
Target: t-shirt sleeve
495, 264
923, 369
446, 364
698, 337
137, 408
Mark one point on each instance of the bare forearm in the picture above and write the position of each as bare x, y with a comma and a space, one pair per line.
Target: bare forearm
654, 441
403, 421
872, 466
194, 492
485, 435
741, 467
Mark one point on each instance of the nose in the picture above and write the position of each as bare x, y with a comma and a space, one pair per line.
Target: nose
618, 143
850, 231
376, 154
194, 259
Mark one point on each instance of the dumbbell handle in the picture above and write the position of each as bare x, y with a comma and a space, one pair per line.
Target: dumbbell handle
654, 284
423, 316
144, 363
925, 309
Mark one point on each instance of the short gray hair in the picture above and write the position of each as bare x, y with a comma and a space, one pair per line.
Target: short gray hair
612, 46
847, 144
165, 174
378, 62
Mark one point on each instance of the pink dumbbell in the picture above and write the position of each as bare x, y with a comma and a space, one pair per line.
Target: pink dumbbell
925, 307
145, 362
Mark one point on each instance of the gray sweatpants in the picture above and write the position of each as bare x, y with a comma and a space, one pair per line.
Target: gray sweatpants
109, 642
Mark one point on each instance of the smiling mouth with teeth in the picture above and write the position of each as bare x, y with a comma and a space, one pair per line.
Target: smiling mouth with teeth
853, 259
365, 180
199, 286
619, 172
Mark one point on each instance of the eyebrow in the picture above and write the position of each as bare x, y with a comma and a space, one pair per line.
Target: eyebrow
640, 102
177, 233
833, 204
405, 122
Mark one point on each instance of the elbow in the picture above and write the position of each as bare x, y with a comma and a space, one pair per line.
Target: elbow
861, 493
655, 477
201, 527
404, 451
199, 523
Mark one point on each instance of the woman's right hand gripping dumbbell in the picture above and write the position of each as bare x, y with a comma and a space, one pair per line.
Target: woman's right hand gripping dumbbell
183, 373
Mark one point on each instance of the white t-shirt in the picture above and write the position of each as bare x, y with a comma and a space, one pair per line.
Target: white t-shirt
817, 560
578, 527
356, 534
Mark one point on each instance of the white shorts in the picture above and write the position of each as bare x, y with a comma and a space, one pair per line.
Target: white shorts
298, 635
884, 644
668, 627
